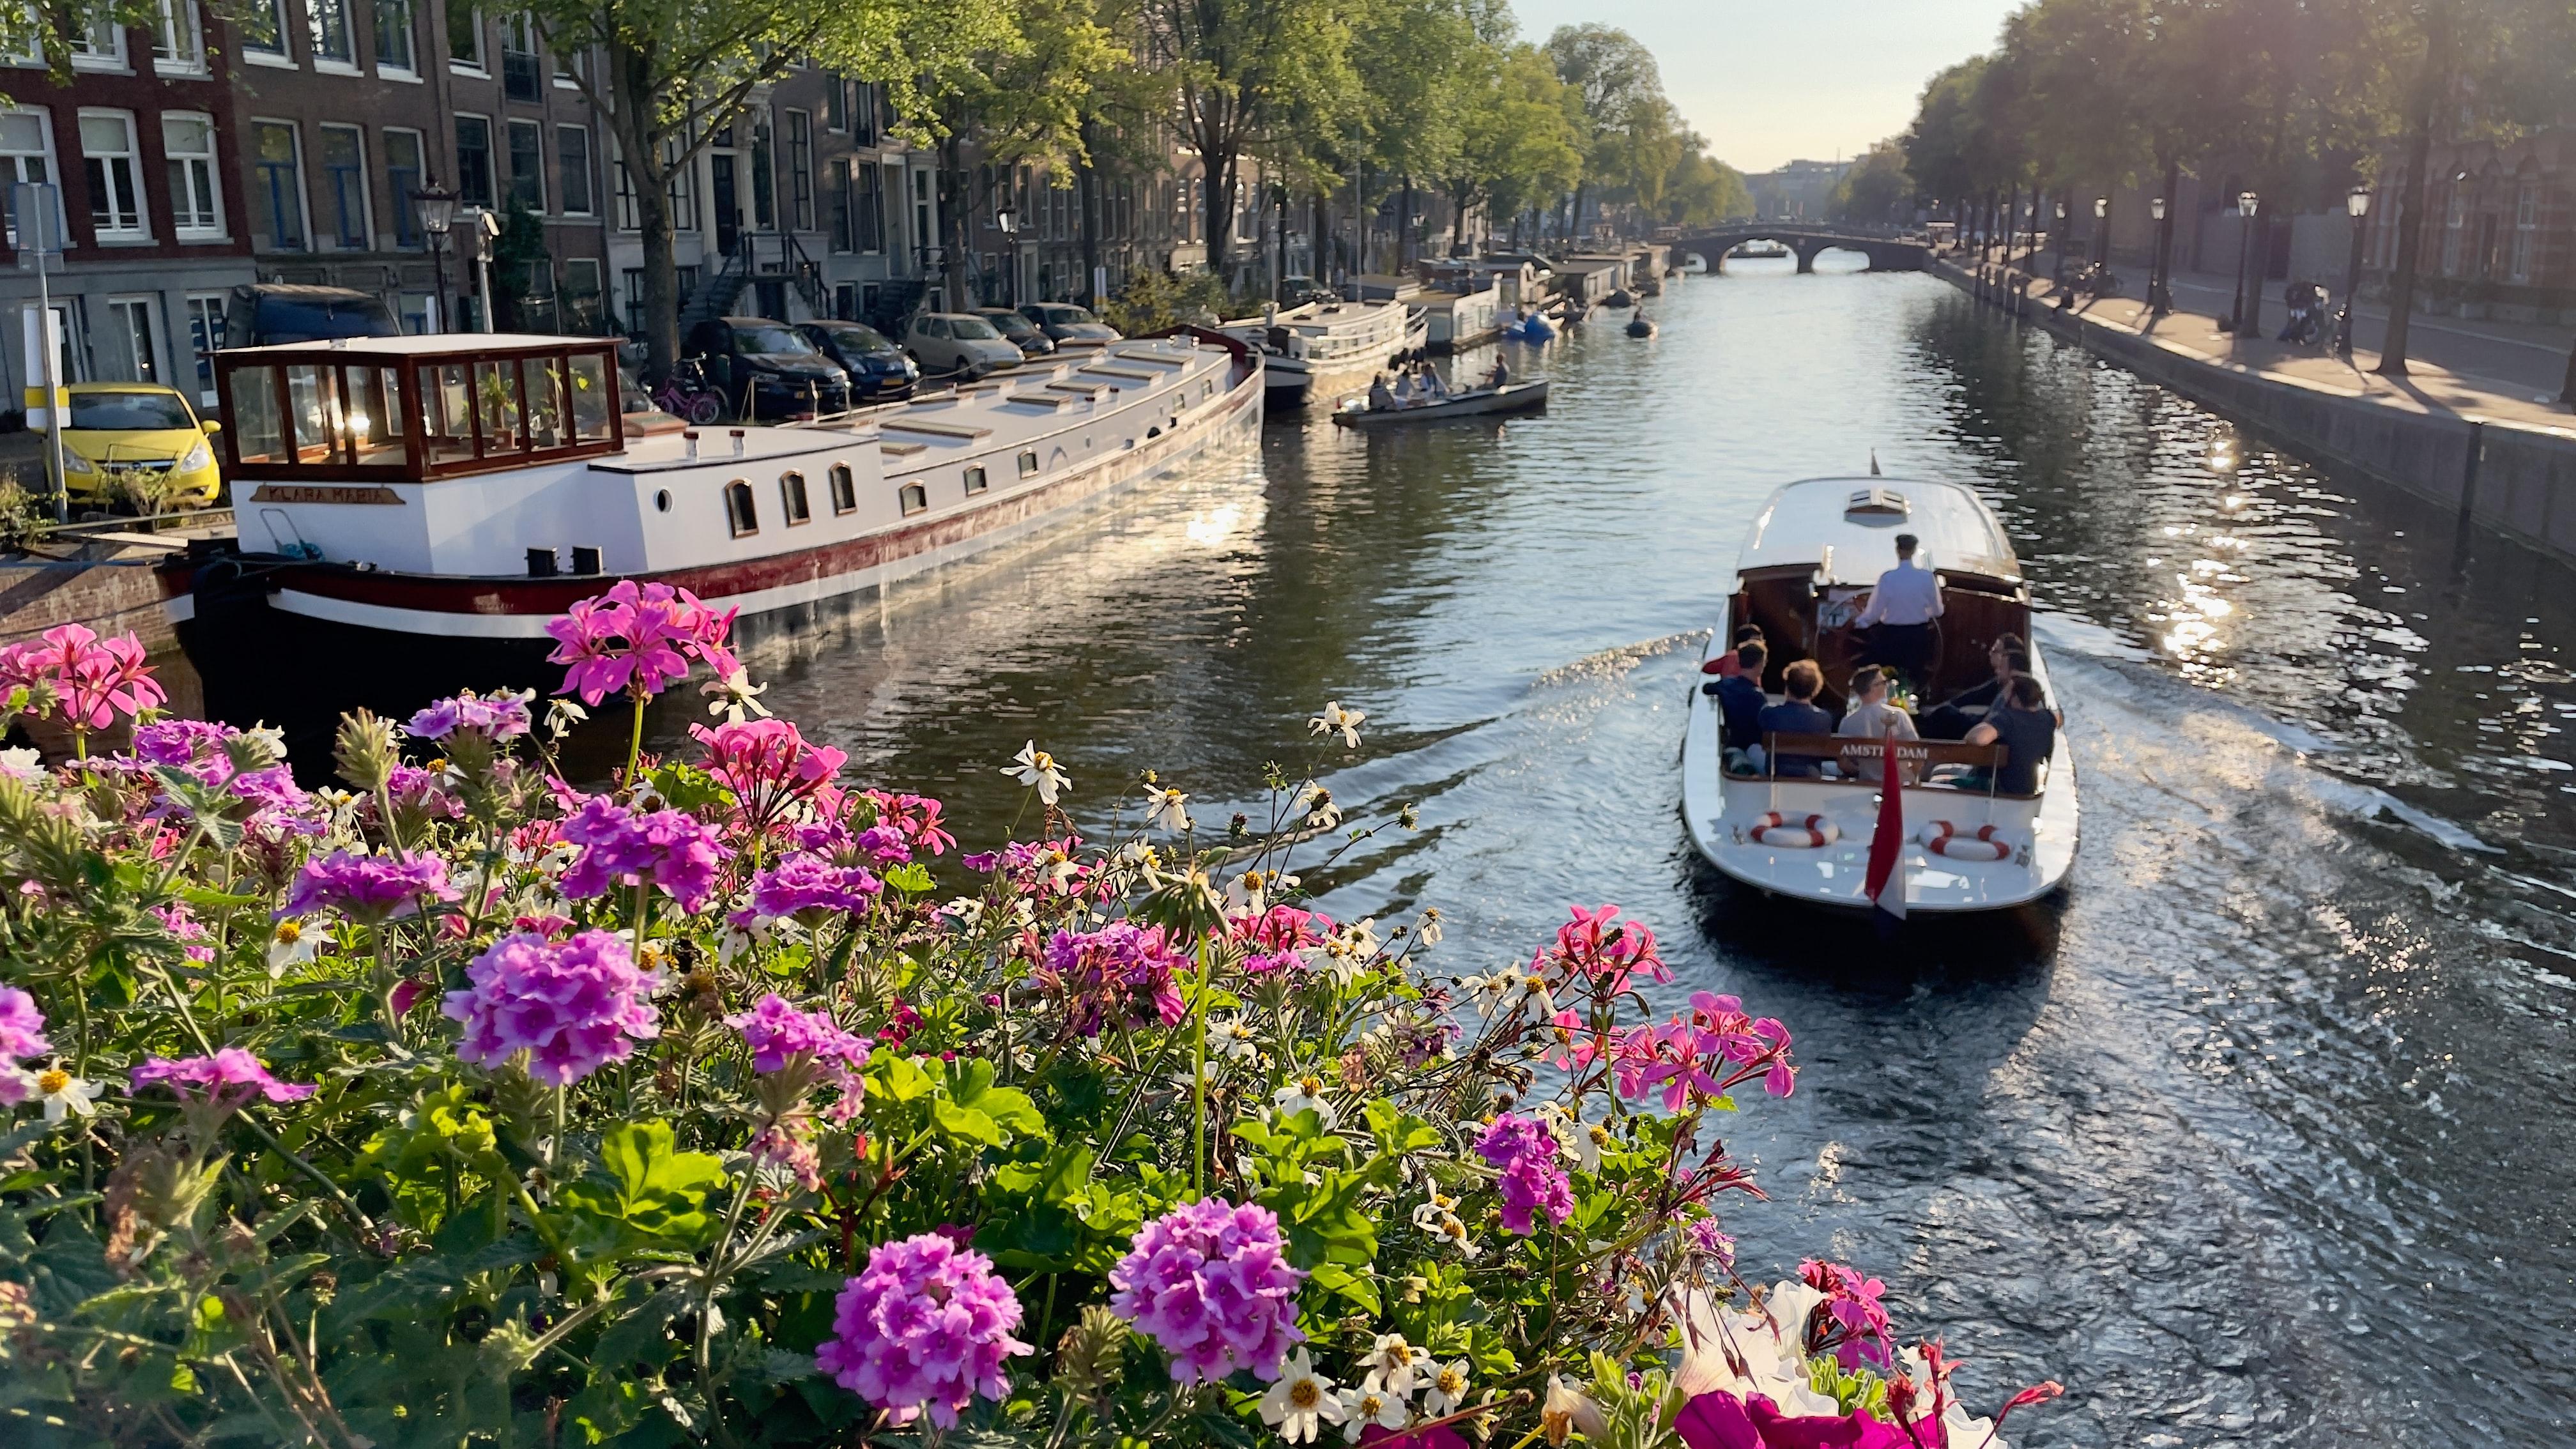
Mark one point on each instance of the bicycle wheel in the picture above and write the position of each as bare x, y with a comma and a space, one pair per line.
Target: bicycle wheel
705, 408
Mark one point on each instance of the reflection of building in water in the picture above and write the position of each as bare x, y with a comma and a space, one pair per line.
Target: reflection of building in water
1801, 189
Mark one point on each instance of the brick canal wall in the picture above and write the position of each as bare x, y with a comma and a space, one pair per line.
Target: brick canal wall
2515, 479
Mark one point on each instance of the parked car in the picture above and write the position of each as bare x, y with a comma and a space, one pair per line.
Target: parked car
263, 313
1023, 333
958, 344
879, 372
767, 369
1065, 322
138, 443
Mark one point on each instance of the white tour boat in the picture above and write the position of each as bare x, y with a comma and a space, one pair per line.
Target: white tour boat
1323, 351
412, 510
1806, 569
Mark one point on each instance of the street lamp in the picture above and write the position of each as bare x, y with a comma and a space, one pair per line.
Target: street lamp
2356, 204
2246, 204
2102, 230
437, 210
1007, 222
2159, 295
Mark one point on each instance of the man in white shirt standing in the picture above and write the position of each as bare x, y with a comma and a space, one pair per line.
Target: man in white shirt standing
1902, 608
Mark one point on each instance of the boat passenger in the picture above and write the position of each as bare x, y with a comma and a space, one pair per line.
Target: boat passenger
1405, 394
1798, 715
1433, 389
1500, 376
1872, 717
1740, 700
1902, 608
1954, 717
1380, 400
2027, 729
1724, 664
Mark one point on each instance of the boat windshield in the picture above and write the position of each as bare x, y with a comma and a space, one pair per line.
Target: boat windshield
770, 337
973, 329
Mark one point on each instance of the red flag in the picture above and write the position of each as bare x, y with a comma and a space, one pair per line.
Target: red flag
1886, 884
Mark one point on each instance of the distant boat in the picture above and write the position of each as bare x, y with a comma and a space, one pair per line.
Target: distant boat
1765, 249
1530, 328
1324, 351
1511, 397
1641, 326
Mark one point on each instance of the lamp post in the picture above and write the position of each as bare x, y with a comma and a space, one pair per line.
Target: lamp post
2356, 204
2246, 204
2057, 240
2159, 296
2102, 230
436, 207
1007, 222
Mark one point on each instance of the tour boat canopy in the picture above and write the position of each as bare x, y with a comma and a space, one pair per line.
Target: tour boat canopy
385, 409
1845, 528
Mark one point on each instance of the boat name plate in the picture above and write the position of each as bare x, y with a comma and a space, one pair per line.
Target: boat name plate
325, 493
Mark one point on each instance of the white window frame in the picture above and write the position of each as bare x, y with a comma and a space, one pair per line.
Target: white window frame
590, 169
214, 179
492, 161
506, 184
184, 30
410, 211
2525, 246
2455, 224
331, 64
87, 54
410, 74
196, 311
141, 231
119, 307
283, 56
575, 69
11, 171
366, 190
480, 66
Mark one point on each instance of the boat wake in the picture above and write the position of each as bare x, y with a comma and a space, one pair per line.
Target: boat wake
1618, 660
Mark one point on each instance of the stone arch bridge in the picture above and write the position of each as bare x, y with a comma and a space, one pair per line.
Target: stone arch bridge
1885, 253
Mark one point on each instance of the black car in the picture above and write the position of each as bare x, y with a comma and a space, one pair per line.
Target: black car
1019, 331
263, 314
879, 371
767, 369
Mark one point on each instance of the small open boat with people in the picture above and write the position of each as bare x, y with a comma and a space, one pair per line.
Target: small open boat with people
1785, 753
1511, 397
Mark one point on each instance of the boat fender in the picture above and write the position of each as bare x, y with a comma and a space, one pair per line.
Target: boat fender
1807, 832
1984, 843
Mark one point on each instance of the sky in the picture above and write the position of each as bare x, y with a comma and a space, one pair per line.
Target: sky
1769, 80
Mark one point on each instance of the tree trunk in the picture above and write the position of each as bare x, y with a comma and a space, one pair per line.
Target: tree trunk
1219, 205
2259, 261
2431, 83
1574, 216
1088, 178
956, 210
1404, 229
660, 323
1279, 268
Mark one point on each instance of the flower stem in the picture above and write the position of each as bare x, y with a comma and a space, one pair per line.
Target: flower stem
635, 740
1198, 1074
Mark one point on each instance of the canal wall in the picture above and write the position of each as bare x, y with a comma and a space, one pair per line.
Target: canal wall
2508, 476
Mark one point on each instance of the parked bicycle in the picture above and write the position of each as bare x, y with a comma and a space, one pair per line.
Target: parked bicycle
687, 395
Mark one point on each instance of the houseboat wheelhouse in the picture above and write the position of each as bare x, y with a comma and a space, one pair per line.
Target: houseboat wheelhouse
1322, 352
412, 510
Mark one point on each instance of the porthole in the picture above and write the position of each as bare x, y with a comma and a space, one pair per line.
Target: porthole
662, 501
791, 497
845, 490
916, 499
1028, 463
740, 510
975, 481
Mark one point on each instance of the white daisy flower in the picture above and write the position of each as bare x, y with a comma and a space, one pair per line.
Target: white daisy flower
1370, 1404
1035, 767
561, 716
1579, 1140
1444, 1389
735, 695
1302, 1402
1317, 803
64, 1093
1306, 1094
1167, 809
1392, 1364
1231, 1039
291, 943
1337, 720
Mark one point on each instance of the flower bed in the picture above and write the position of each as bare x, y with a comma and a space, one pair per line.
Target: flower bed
733, 1104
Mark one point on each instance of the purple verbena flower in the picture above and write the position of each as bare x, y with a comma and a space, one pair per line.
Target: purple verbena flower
1524, 1151
801, 883
1121, 975
498, 716
574, 1006
22, 1035
370, 889
1210, 1282
227, 1079
776, 1031
668, 848
924, 1327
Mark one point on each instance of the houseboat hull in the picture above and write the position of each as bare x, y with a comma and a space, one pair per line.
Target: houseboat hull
295, 642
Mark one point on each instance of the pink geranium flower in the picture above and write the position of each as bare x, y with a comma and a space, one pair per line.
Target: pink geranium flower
1211, 1283
668, 848
639, 639
94, 680
767, 765
226, 1079
573, 1006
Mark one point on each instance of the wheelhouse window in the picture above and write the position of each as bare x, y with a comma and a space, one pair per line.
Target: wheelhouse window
791, 499
349, 412
915, 499
975, 481
845, 489
740, 512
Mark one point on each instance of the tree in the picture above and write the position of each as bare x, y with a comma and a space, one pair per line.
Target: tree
1518, 142
1619, 101
1238, 68
1703, 190
1941, 145
676, 75
1875, 187
1417, 64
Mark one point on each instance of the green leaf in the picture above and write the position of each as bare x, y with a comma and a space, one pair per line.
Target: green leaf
911, 878
969, 1107
647, 1186
1337, 1279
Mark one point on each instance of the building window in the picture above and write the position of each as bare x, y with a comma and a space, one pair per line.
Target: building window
800, 169
791, 498
975, 481
572, 152
263, 28
683, 192
474, 160
914, 497
205, 335
133, 325
465, 37
837, 204
739, 508
328, 23
282, 180
393, 36
864, 114
522, 77
115, 175
868, 207
402, 180
26, 155
196, 206
178, 39
101, 46
581, 302
528, 165
344, 185
632, 287
836, 105
2526, 232
764, 174
845, 489
1028, 463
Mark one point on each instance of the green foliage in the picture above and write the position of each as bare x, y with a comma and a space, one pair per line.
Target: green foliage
1154, 301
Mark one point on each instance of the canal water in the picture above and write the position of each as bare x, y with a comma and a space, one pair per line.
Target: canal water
2260, 1136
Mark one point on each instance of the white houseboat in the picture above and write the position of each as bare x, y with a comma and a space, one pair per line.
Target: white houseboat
1808, 564
1321, 352
412, 510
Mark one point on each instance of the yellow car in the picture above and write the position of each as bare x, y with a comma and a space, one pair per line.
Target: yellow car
141, 445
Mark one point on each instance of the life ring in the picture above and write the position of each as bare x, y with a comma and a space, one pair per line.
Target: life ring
1983, 843
1804, 833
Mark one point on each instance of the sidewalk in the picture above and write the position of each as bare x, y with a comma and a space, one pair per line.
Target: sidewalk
2440, 356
